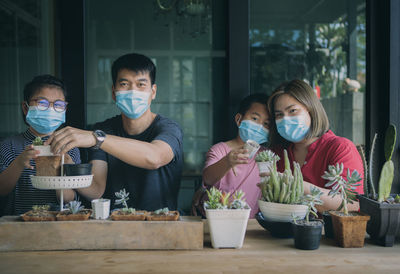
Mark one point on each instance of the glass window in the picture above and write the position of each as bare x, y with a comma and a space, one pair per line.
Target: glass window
322, 42
26, 50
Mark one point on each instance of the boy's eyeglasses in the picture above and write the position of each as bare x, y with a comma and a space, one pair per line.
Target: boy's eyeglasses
43, 104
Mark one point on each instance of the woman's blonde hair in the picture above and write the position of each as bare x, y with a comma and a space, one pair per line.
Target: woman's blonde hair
303, 93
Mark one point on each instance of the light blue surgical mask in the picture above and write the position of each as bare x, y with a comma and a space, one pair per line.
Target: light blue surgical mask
44, 121
132, 103
292, 128
249, 130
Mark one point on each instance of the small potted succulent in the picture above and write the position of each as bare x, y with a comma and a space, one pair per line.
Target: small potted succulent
47, 164
163, 214
349, 227
265, 160
126, 213
383, 208
75, 212
39, 213
227, 218
307, 234
281, 193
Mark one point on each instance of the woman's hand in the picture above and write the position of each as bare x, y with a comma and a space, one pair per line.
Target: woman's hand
26, 156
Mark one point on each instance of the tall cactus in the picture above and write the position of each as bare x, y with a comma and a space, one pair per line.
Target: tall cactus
387, 172
286, 187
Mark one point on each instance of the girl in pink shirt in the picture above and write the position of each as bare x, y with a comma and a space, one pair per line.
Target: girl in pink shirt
228, 166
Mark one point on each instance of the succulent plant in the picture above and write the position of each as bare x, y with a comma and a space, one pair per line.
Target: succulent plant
267, 156
40, 208
123, 197
221, 200
161, 211
37, 141
311, 200
387, 172
286, 187
346, 189
75, 207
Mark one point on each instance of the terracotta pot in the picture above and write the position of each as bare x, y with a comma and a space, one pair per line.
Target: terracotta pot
118, 215
48, 166
46, 216
172, 216
349, 230
83, 215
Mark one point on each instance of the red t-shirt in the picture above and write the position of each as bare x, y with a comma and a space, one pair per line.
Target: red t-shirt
329, 149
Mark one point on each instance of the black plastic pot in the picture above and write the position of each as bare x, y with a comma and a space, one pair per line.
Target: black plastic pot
77, 170
277, 229
384, 224
307, 236
328, 227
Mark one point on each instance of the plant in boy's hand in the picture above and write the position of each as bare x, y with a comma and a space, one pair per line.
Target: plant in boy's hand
345, 189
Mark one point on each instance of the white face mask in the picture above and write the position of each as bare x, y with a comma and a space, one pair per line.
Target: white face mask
132, 103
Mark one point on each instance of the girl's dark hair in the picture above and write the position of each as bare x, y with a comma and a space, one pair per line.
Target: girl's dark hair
40, 82
246, 102
136, 63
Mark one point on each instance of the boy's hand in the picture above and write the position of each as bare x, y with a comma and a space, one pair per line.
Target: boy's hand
237, 156
26, 156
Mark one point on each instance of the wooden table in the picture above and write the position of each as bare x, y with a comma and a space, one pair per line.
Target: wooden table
260, 254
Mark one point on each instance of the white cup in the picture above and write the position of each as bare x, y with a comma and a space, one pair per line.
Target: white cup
101, 208
252, 147
265, 167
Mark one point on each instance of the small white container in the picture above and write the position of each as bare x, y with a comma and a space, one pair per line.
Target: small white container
252, 147
101, 208
281, 212
265, 167
44, 150
227, 227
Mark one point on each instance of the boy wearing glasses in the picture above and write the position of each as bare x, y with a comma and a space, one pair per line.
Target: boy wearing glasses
43, 111
138, 150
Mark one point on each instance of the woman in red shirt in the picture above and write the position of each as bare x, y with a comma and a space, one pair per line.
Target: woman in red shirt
300, 125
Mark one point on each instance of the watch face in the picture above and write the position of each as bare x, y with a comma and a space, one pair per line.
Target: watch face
100, 133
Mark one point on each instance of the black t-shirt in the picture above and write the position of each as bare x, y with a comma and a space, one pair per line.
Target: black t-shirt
148, 189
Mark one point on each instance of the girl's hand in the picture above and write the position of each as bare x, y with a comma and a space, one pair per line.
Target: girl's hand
26, 156
237, 156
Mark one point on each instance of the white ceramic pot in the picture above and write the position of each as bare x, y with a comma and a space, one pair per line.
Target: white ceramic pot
44, 150
281, 212
264, 167
227, 227
101, 208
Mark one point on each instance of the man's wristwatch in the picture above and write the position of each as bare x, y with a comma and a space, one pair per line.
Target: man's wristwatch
100, 137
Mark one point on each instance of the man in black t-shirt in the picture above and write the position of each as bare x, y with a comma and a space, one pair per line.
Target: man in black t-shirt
138, 150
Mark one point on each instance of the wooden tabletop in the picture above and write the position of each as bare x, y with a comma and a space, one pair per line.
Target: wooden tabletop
260, 253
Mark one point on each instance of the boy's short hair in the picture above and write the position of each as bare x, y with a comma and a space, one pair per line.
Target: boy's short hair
40, 82
136, 63
246, 102
303, 93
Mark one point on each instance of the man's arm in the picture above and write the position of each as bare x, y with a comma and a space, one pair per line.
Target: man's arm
133, 152
98, 186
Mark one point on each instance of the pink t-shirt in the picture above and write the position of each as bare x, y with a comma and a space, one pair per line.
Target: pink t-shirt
246, 179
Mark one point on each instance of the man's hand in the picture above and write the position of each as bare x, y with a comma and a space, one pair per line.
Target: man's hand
25, 157
68, 138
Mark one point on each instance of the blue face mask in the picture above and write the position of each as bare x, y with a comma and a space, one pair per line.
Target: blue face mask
249, 130
132, 103
44, 121
293, 129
